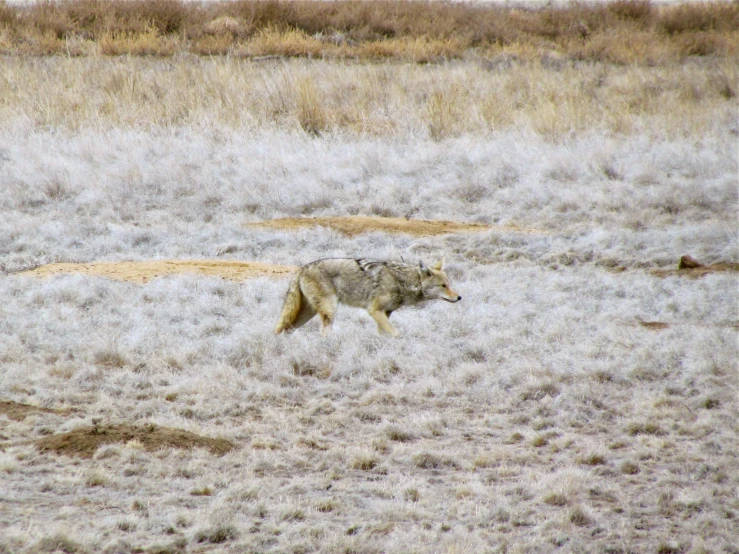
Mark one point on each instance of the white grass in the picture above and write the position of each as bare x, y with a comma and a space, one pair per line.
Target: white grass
187, 192
535, 414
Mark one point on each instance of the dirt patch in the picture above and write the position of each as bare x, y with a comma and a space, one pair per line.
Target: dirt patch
357, 225
696, 272
661, 325
654, 325
18, 412
142, 272
85, 441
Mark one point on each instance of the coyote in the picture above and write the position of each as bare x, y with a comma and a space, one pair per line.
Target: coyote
379, 287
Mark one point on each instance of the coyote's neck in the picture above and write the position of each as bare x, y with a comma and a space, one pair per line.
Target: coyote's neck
411, 284
414, 290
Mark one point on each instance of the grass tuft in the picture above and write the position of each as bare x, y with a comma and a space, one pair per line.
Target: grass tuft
395, 433
629, 468
427, 460
96, 478
310, 112
515, 438
539, 391
110, 358
670, 548
218, 534
594, 459
364, 461
326, 506
411, 494
555, 499
648, 428
58, 543
639, 11
292, 514
710, 403
578, 517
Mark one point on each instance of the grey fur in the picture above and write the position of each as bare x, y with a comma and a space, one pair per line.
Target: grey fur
380, 287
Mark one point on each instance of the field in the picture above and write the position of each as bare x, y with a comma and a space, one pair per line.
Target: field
582, 397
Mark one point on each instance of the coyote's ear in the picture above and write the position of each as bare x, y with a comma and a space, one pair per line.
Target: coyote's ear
439, 265
423, 268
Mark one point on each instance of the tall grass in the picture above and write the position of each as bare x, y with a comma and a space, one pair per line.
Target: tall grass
424, 32
440, 101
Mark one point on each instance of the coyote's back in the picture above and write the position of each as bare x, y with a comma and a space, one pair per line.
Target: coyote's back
380, 287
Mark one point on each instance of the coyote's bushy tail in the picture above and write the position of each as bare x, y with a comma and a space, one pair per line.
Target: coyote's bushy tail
292, 306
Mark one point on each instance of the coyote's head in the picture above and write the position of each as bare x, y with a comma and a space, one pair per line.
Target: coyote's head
435, 283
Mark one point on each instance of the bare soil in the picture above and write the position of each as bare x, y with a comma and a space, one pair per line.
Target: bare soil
142, 272
84, 441
696, 272
19, 412
145, 271
654, 325
356, 225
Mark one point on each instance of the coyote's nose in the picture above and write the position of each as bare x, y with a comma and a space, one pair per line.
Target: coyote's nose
459, 297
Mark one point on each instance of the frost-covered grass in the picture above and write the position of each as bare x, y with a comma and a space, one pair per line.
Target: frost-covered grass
187, 193
537, 413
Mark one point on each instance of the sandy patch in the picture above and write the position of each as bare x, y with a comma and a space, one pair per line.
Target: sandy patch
356, 225
85, 441
141, 272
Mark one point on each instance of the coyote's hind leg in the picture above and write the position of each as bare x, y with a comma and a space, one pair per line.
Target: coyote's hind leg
305, 314
322, 300
326, 308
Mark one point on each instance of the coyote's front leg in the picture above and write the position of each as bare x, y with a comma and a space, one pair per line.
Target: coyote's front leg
383, 323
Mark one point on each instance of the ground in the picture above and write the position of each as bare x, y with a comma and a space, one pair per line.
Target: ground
580, 398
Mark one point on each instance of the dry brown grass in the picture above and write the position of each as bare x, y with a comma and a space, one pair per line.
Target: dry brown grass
318, 96
623, 31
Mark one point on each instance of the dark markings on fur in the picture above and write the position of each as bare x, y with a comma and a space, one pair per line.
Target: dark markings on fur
370, 265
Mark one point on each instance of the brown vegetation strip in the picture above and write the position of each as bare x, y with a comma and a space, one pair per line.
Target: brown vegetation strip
661, 325
654, 325
357, 225
18, 412
84, 441
621, 31
695, 272
142, 272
